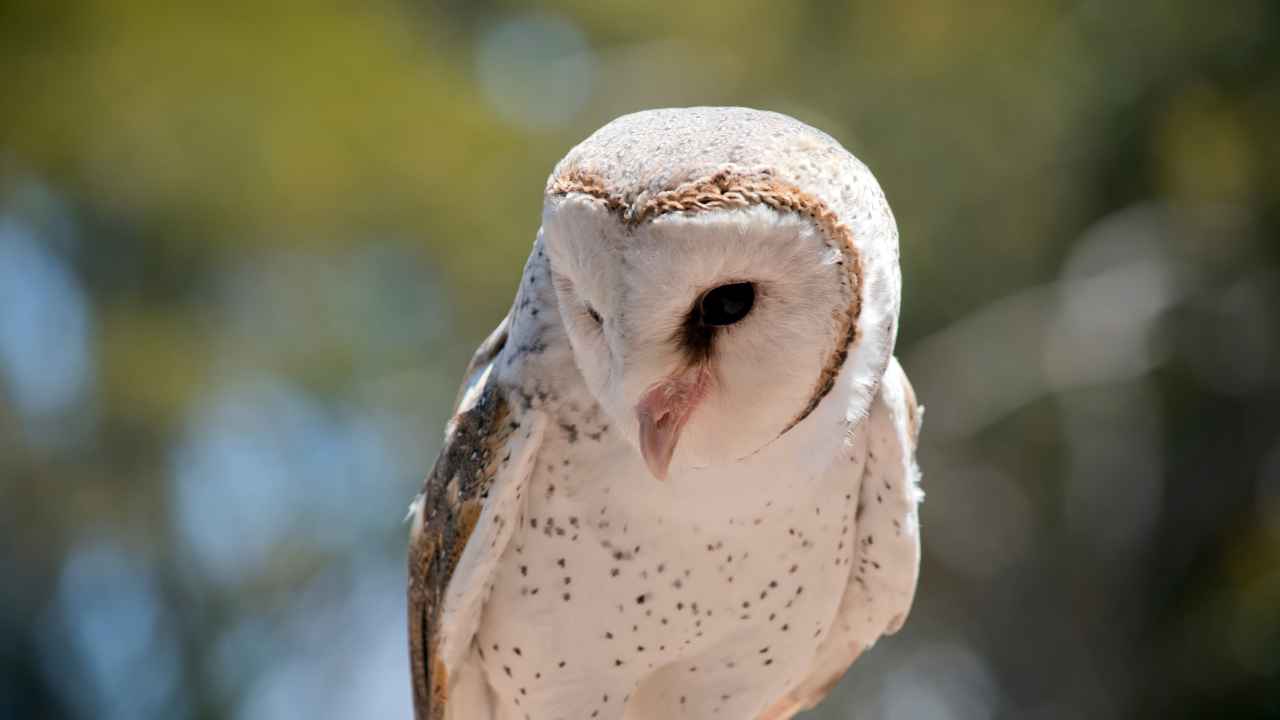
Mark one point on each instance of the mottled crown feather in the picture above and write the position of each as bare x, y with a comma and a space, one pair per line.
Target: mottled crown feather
682, 160
649, 163
641, 155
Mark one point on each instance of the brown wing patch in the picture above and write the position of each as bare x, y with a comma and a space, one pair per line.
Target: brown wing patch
453, 498
484, 355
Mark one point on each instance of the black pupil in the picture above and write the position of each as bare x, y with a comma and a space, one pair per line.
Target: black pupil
728, 304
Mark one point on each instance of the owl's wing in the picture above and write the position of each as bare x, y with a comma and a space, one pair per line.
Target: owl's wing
482, 358
886, 559
461, 524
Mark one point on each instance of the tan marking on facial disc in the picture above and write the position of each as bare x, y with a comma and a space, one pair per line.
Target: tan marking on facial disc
732, 188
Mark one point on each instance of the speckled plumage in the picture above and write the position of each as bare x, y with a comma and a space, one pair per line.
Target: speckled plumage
551, 576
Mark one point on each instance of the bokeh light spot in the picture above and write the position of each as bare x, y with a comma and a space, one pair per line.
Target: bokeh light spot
537, 71
46, 355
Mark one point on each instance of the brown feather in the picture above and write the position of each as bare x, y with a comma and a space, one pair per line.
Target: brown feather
452, 501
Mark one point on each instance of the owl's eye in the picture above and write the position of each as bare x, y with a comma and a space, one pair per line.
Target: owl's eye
727, 304
595, 316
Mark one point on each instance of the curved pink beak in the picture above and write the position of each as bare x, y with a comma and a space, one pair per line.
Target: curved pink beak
662, 413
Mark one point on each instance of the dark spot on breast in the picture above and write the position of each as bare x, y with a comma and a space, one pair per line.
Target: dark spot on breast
571, 430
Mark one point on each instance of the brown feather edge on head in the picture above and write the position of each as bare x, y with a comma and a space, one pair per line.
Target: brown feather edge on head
453, 499
733, 188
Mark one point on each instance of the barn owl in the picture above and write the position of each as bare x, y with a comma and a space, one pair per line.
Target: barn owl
680, 480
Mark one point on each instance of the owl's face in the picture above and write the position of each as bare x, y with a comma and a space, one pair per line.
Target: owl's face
704, 336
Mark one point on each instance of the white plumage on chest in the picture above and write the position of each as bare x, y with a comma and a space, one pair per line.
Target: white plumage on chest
710, 592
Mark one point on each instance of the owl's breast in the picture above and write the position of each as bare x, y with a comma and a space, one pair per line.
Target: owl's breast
648, 592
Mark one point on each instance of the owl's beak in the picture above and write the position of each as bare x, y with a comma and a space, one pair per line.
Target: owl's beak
662, 412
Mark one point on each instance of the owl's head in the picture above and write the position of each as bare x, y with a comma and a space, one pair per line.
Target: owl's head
718, 272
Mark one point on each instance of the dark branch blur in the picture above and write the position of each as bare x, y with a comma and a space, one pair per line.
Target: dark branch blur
246, 248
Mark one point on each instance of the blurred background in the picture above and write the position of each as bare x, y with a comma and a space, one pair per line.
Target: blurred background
246, 249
